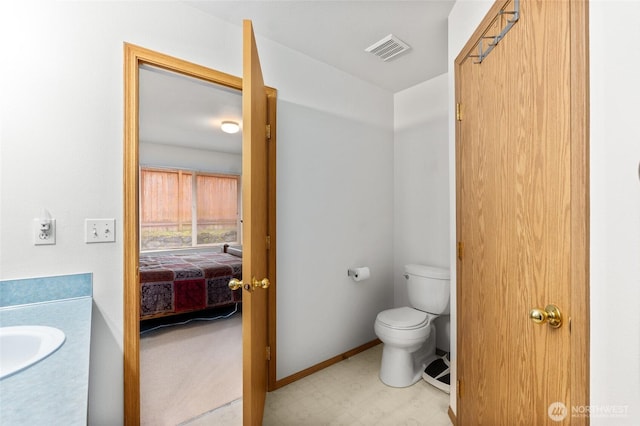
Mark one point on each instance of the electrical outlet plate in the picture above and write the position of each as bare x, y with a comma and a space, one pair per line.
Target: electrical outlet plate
41, 237
99, 230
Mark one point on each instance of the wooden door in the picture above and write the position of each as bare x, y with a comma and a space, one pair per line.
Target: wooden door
522, 216
259, 208
255, 206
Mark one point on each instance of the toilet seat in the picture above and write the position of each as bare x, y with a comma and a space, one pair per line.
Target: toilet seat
404, 318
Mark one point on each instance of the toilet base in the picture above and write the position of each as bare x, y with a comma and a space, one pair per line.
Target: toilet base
401, 368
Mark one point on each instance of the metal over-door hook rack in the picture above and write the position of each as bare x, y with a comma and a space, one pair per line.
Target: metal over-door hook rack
493, 40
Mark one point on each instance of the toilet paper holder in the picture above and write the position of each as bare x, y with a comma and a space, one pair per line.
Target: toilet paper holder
358, 274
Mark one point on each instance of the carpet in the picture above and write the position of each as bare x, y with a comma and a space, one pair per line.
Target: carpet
188, 370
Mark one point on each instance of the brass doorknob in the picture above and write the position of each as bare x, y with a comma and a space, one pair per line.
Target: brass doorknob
550, 314
235, 284
264, 283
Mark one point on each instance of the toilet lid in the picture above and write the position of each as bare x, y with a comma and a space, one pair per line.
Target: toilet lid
404, 318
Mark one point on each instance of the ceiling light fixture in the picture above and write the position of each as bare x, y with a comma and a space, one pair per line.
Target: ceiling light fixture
230, 127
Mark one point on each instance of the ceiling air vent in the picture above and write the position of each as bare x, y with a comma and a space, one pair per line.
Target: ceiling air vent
388, 47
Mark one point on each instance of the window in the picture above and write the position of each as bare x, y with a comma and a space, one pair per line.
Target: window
182, 208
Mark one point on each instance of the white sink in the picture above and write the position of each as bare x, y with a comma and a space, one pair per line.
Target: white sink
22, 346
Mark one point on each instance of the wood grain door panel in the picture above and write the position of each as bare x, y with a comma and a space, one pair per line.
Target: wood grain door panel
515, 218
255, 230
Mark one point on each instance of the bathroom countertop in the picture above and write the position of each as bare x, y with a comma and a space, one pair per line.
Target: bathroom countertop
54, 390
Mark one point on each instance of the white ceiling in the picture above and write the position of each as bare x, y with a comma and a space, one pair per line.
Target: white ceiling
183, 111
177, 110
338, 32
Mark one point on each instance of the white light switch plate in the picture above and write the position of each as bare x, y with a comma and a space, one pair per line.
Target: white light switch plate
99, 230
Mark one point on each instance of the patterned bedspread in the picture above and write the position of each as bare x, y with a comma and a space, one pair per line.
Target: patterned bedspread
181, 282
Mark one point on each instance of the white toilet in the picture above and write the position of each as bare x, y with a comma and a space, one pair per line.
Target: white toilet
408, 333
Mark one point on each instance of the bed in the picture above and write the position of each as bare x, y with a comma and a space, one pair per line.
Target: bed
174, 283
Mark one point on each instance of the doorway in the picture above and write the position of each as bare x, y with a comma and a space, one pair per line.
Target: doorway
135, 57
190, 232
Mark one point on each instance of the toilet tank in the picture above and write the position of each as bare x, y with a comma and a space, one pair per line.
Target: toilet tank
428, 288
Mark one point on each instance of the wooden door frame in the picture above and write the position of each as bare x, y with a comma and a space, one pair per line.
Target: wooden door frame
579, 175
134, 56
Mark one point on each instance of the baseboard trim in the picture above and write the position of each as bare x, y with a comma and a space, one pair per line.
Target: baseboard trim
324, 364
452, 416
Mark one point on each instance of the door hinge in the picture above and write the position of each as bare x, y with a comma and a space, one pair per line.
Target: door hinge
268, 353
268, 242
458, 111
459, 388
268, 131
460, 249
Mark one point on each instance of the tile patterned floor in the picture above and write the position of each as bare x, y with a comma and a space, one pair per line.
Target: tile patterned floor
347, 393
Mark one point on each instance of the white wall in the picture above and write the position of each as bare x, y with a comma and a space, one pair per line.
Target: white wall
421, 186
615, 199
61, 132
615, 209
334, 212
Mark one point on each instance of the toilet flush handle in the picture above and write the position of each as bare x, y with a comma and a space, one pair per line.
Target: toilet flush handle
406, 276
